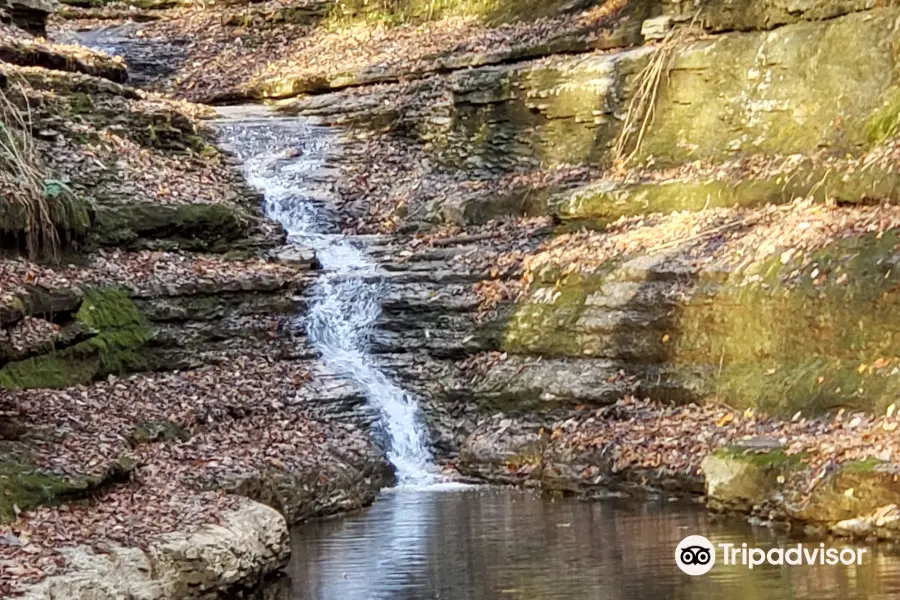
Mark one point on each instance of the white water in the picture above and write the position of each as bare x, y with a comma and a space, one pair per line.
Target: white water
285, 159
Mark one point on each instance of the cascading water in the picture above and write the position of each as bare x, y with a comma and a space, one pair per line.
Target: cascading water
282, 158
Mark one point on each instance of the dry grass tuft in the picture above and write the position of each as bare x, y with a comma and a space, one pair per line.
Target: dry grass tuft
32, 206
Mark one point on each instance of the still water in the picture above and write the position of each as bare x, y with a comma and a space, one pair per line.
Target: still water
484, 543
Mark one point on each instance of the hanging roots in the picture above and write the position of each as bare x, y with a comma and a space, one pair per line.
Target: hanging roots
642, 108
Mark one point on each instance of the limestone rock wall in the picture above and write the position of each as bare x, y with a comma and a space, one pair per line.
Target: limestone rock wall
776, 106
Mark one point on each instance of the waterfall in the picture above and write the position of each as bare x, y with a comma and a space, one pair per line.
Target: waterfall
284, 159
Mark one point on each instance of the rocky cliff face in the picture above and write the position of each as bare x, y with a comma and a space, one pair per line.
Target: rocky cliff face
685, 279
706, 219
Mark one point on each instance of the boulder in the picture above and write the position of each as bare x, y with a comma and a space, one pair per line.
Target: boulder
30, 15
742, 479
251, 542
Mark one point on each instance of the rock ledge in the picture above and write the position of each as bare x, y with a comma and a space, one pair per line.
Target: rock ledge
251, 542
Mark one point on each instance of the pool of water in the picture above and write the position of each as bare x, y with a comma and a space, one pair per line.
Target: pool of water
496, 543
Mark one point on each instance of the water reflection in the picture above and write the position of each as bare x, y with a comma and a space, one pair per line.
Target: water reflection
487, 543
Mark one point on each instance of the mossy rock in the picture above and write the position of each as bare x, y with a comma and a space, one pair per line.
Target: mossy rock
798, 331
792, 90
811, 333
602, 203
741, 479
856, 489
23, 486
186, 226
118, 347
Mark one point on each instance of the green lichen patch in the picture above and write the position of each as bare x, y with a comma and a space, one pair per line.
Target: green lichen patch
118, 347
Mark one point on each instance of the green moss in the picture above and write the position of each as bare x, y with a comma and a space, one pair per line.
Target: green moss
869, 465
123, 329
117, 348
23, 486
189, 226
776, 459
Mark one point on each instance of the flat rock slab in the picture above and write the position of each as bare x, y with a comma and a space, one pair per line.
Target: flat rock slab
252, 542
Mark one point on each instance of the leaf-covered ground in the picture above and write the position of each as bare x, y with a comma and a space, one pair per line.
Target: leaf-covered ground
651, 442
148, 272
247, 50
189, 434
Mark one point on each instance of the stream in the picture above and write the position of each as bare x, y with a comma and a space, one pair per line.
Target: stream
284, 159
486, 543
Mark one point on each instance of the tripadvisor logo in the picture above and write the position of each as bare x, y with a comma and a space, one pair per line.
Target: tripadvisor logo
696, 555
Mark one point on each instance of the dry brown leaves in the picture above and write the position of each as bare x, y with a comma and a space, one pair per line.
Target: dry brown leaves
225, 59
148, 273
673, 440
242, 418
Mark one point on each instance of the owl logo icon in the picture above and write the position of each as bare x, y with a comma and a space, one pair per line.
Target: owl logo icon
695, 555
